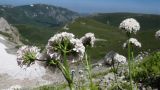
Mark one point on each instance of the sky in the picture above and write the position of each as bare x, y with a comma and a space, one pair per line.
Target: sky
97, 6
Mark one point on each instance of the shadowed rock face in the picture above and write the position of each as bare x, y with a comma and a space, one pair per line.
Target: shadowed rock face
9, 31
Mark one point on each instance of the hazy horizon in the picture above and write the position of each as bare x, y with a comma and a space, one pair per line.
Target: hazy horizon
95, 6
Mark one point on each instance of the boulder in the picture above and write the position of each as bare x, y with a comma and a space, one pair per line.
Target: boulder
109, 57
9, 31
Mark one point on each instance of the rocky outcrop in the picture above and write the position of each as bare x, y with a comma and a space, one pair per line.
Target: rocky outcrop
9, 31
108, 57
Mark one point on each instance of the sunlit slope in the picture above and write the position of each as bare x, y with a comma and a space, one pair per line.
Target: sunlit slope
111, 37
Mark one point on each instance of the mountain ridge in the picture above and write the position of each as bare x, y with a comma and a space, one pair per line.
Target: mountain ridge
37, 14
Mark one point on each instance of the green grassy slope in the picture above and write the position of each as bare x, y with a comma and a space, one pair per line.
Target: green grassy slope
149, 25
33, 35
112, 35
113, 38
147, 21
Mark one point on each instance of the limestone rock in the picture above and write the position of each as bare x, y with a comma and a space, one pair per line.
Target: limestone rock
8, 30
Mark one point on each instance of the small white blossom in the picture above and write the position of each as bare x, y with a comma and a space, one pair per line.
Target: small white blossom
88, 39
57, 38
55, 46
119, 58
78, 47
15, 87
99, 64
157, 35
82, 76
73, 71
80, 72
133, 41
26, 55
55, 55
66, 27
130, 25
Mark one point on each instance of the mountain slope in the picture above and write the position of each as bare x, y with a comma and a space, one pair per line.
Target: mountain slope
112, 37
37, 22
147, 21
37, 14
105, 26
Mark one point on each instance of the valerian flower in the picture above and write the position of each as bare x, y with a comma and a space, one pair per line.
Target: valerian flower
157, 35
130, 25
119, 58
81, 73
78, 48
26, 55
133, 42
65, 41
88, 39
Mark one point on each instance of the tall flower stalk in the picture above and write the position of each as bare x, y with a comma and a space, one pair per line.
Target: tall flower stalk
88, 67
64, 48
130, 44
130, 64
116, 61
88, 40
130, 26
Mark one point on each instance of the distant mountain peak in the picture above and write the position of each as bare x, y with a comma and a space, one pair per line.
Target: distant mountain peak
38, 14
7, 6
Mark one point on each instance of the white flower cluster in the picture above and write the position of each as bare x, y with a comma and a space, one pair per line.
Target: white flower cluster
133, 41
88, 39
119, 58
130, 25
75, 48
81, 73
59, 37
157, 35
26, 55
78, 47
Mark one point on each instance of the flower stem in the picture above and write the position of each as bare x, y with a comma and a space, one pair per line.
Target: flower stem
115, 69
71, 86
64, 67
88, 67
130, 65
133, 62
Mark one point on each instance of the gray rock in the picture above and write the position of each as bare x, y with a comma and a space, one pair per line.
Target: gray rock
9, 31
108, 58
